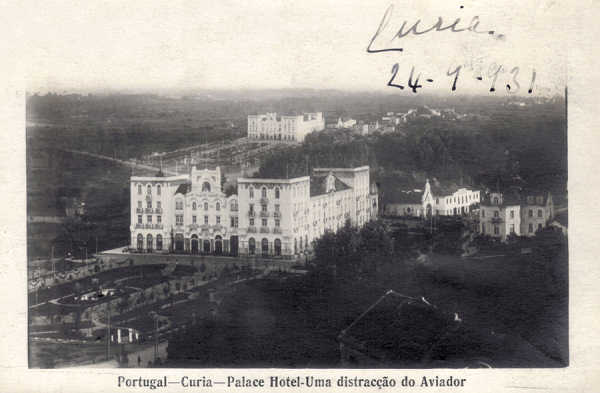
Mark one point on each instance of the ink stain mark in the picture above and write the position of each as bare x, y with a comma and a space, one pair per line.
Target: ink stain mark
462, 6
508, 87
429, 80
492, 89
479, 78
491, 32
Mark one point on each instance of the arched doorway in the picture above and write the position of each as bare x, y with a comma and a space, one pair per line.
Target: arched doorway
206, 246
179, 243
194, 244
140, 242
159, 242
264, 245
428, 211
218, 245
277, 247
234, 245
149, 242
251, 246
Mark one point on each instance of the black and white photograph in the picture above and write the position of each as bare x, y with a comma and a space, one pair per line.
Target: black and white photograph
226, 189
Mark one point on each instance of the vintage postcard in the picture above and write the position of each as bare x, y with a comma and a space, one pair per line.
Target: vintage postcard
299, 196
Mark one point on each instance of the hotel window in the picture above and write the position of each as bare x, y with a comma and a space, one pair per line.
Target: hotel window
437, 201
512, 214
139, 189
483, 213
205, 206
139, 219
251, 206
158, 205
530, 228
206, 220
158, 190
218, 219
178, 205
277, 207
530, 213
539, 227
264, 222
179, 219
496, 230
483, 229
149, 189
276, 193
159, 219
149, 219
277, 223
194, 206
251, 192
512, 228
495, 201
496, 214
263, 192
264, 208
139, 204
149, 204
218, 206
252, 222
193, 219
540, 214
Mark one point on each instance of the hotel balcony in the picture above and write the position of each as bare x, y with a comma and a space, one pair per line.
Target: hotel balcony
148, 226
148, 210
158, 226
277, 214
264, 229
193, 227
158, 210
139, 210
233, 208
264, 214
264, 201
277, 230
497, 220
251, 229
139, 226
251, 213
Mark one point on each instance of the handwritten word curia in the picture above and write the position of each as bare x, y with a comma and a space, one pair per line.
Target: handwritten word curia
417, 28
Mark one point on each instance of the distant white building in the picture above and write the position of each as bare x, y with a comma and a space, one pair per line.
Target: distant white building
449, 200
344, 122
504, 214
270, 126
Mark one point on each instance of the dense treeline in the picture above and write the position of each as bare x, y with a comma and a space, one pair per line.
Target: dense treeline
528, 143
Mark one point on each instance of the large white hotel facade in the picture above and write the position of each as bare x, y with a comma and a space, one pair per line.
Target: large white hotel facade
270, 126
190, 214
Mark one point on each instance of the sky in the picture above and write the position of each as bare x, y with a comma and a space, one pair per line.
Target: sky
199, 44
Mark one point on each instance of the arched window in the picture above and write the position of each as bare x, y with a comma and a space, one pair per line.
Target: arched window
277, 193
277, 247
149, 189
251, 246
194, 205
233, 206
251, 192
263, 192
205, 205
495, 200
218, 206
140, 241
149, 242
158, 189
159, 243
139, 189
206, 187
264, 247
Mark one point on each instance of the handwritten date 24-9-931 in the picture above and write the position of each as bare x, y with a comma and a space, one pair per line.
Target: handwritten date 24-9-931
497, 75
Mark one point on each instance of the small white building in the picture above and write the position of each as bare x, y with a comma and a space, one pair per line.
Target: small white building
270, 126
345, 122
449, 200
504, 214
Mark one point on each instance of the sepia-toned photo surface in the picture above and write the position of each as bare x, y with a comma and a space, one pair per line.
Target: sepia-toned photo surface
415, 221
286, 195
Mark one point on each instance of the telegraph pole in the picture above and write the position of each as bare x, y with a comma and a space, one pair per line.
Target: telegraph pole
108, 333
